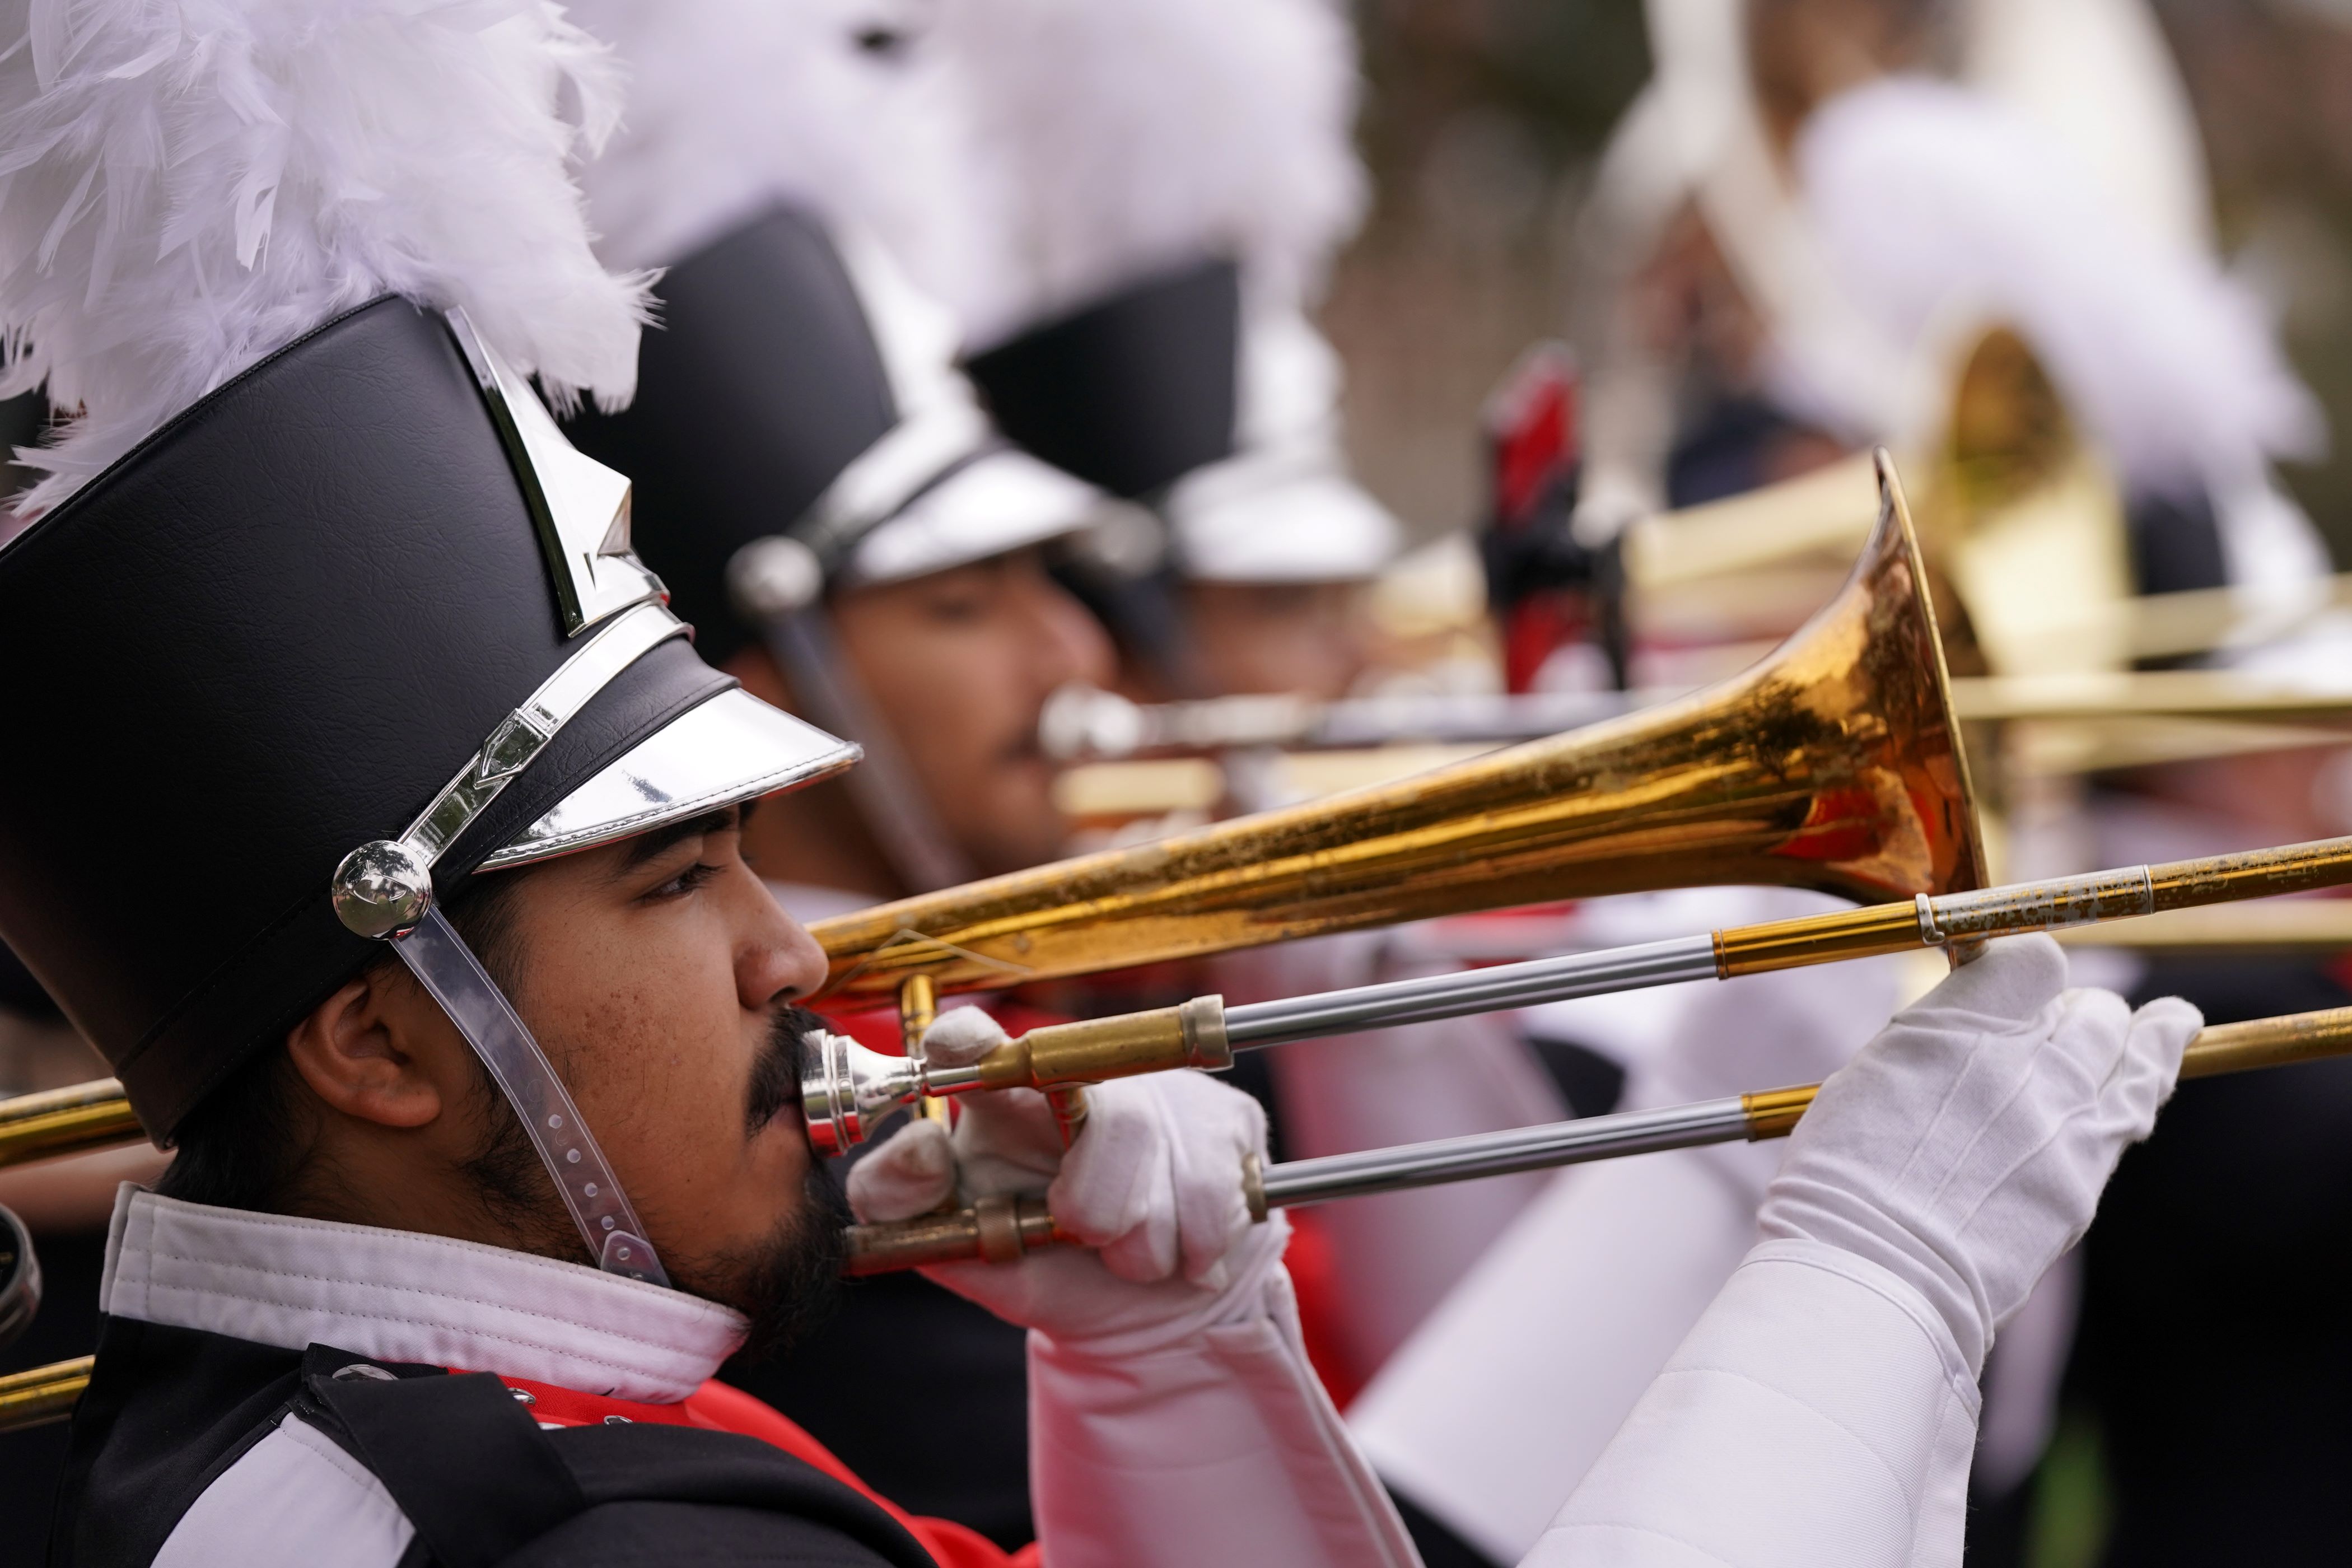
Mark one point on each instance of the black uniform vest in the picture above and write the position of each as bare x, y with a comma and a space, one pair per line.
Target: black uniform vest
169, 1410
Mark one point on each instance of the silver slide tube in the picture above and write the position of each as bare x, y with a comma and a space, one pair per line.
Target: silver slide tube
1399, 1002
1297, 1181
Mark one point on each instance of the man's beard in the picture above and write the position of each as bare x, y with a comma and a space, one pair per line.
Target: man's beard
791, 1284
787, 1285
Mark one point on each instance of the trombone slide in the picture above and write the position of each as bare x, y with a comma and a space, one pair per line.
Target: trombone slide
1026, 1223
1003, 1227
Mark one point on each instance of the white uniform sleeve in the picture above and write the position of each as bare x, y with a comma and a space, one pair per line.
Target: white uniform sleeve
1820, 1416
1220, 1449
1492, 1413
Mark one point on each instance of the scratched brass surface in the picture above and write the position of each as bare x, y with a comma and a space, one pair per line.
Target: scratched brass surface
2268, 1043
1835, 765
2253, 874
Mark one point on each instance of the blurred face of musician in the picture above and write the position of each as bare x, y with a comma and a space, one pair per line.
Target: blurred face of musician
959, 663
1308, 638
658, 974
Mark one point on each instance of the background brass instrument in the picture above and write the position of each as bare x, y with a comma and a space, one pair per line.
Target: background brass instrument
1100, 726
1835, 765
2019, 521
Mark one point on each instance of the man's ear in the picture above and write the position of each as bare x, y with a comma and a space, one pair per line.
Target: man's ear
365, 1050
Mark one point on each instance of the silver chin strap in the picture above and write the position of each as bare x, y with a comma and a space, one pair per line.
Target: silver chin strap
383, 890
446, 967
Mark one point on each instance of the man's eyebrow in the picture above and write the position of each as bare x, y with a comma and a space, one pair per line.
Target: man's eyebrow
656, 842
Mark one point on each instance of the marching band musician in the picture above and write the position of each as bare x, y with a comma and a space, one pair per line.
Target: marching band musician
312, 552
798, 403
1147, 328
314, 545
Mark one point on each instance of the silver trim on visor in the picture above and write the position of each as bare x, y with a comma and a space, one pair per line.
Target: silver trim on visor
385, 887
732, 748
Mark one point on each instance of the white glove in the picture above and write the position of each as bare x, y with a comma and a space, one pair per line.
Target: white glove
1152, 1187
1965, 1149
1173, 1418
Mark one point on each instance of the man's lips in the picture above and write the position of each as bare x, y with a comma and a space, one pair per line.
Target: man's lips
774, 1092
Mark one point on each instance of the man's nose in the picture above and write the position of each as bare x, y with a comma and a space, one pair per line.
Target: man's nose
775, 958
1070, 643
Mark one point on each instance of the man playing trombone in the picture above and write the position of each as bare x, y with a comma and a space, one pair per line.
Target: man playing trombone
440, 961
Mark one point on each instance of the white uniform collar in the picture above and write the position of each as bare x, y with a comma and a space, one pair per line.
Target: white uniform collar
398, 1296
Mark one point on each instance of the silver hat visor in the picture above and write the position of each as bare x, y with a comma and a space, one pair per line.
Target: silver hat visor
999, 501
730, 749
1279, 516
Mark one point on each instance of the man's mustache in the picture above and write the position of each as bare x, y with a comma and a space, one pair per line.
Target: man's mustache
776, 1076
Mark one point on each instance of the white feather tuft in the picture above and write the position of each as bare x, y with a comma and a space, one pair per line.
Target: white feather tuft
1929, 199
842, 106
188, 185
1123, 136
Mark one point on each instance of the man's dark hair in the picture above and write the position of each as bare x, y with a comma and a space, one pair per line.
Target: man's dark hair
245, 1146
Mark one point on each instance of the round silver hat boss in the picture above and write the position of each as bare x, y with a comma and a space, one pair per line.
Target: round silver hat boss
774, 576
383, 889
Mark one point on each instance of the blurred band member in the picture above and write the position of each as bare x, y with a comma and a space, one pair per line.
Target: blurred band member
1168, 184
1174, 178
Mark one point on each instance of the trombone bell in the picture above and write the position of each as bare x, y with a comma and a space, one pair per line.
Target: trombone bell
1835, 763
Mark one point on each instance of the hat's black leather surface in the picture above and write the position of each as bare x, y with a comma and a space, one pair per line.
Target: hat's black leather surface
268, 635
760, 384
1129, 395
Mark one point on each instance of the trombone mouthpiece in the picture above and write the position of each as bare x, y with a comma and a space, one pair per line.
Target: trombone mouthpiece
847, 1089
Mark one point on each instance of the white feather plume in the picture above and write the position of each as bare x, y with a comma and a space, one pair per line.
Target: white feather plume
188, 185
1929, 201
842, 106
1122, 136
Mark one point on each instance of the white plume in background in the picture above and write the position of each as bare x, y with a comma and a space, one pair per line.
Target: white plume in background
842, 106
1929, 200
1126, 136
188, 185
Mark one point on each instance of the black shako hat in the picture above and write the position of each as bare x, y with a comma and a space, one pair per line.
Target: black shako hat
1131, 393
799, 425
362, 595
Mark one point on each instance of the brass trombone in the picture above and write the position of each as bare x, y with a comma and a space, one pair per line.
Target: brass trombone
1833, 764
1099, 726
